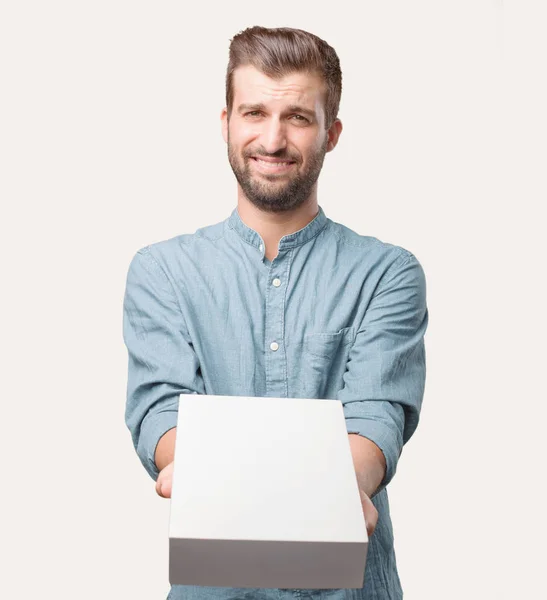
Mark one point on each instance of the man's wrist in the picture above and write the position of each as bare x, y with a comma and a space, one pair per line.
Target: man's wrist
165, 449
369, 463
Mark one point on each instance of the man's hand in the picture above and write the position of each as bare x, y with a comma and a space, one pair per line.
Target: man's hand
165, 454
370, 465
165, 481
370, 512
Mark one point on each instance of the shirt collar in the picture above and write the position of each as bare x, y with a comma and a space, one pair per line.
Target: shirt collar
313, 228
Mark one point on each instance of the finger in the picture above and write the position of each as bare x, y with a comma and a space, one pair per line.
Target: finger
166, 487
158, 486
371, 520
370, 513
164, 481
163, 486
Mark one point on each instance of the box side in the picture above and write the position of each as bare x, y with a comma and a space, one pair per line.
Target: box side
277, 564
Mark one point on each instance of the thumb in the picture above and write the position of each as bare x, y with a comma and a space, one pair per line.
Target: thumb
370, 513
164, 482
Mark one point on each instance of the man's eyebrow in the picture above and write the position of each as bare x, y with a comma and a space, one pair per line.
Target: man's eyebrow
291, 108
300, 109
243, 107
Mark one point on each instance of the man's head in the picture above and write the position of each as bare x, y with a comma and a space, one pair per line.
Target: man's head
283, 90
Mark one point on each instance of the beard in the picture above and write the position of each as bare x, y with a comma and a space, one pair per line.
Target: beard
274, 193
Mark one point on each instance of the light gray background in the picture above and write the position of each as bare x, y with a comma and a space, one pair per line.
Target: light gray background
110, 140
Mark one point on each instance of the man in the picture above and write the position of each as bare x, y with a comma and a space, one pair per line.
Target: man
280, 301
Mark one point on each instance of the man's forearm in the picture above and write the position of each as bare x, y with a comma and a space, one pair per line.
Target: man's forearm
369, 462
165, 450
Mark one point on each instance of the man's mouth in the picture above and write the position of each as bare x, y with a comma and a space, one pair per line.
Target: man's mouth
272, 165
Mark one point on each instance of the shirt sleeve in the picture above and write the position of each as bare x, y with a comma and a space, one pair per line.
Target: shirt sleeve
385, 377
162, 361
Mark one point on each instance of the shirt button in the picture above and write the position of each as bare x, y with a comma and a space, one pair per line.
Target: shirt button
261, 247
274, 346
276, 282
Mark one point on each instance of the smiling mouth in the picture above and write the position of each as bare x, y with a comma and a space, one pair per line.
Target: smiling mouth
272, 166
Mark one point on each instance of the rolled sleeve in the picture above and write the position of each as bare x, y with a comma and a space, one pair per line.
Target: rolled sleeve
385, 376
162, 362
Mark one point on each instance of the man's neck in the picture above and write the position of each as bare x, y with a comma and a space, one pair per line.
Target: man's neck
273, 226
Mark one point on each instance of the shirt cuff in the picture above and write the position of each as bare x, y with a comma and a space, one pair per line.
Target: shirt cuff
154, 426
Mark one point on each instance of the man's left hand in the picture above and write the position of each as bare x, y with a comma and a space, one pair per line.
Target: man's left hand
370, 466
370, 513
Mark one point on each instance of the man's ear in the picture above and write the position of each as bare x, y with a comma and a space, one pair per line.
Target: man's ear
333, 134
224, 123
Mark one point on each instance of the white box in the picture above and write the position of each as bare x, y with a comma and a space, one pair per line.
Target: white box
265, 495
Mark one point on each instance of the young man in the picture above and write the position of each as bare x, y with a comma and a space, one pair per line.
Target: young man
280, 301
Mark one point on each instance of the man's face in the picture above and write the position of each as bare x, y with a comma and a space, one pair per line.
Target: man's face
276, 137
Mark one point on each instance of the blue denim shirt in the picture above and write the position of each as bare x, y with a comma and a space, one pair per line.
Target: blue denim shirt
335, 315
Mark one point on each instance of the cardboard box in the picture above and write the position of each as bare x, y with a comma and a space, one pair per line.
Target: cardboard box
265, 495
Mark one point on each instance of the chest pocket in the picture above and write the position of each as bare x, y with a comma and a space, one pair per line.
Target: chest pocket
323, 362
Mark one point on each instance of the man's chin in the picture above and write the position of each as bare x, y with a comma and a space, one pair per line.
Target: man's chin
270, 204
271, 194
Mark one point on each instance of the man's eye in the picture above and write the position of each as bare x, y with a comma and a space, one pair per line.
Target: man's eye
301, 118
253, 113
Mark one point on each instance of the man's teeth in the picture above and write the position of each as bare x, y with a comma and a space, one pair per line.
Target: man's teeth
269, 163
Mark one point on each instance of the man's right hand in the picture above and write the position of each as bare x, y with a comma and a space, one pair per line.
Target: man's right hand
165, 481
164, 456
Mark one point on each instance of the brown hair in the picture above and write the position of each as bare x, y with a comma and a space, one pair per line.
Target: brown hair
280, 51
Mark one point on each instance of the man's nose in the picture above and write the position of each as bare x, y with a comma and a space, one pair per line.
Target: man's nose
274, 136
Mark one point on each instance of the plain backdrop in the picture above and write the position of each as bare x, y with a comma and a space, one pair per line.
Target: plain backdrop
110, 140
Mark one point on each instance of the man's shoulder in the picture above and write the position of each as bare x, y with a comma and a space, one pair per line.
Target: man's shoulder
360, 245
185, 242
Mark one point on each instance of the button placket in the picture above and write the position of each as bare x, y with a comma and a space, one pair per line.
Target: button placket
276, 361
